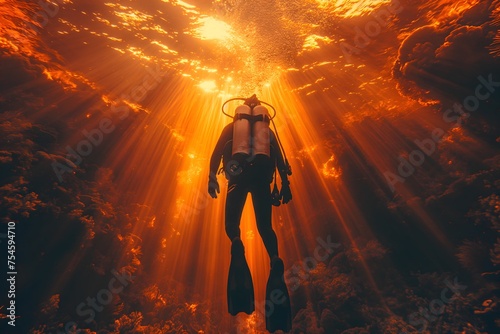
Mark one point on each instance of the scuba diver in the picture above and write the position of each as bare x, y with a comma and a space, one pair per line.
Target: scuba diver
251, 153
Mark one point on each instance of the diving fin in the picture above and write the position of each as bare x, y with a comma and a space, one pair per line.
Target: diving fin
279, 316
240, 294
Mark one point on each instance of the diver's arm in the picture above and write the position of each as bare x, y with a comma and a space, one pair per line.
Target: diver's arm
285, 193
280, 162
213, 185
225, 137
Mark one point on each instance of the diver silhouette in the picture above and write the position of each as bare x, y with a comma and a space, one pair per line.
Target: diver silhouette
251, 153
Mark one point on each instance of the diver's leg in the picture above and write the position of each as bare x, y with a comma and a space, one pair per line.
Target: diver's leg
235, 201
279, 316
240, 293
261, 197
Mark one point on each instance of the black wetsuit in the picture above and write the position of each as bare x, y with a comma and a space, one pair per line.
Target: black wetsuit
254, 177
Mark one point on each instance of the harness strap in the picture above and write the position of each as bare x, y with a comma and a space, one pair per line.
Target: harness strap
252, 118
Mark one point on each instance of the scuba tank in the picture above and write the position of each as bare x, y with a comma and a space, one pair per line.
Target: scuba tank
260, 132
251, 130
241, 132
252, 135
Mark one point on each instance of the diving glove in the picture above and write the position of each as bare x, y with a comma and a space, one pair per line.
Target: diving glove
213, 186
286, 193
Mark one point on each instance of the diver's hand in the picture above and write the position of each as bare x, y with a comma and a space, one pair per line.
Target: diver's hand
286, 193
213, 187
